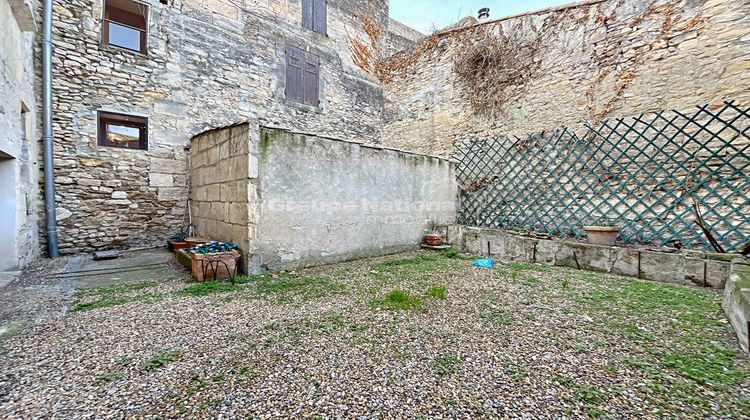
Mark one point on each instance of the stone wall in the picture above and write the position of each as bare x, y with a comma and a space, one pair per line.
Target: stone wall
209, 63
400, 37
325, 200
219, 185
664, 265
568, 65
19, 169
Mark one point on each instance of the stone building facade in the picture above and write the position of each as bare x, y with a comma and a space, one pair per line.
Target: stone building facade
206, 63
567, 65
18, 150
213, 63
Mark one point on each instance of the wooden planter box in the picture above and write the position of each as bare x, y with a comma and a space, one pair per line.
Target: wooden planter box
218, 266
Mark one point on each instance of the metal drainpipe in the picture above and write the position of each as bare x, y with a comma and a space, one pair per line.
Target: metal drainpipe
48, 140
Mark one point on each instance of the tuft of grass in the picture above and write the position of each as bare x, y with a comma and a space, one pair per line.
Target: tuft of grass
287, 287
114, 296
161, 359
709, 364
213, 287
590, 396
109, 377
518, 266
437, 292
97, 304
497, 316
446, 364
397, 300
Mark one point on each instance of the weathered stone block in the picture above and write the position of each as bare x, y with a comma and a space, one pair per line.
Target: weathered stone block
584, 256
546, 251
626, 262
160, 180
168, 166
736, 302
662, 266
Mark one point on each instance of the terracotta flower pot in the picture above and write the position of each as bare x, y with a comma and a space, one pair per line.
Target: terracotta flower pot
217, 266
433, 239
602, 235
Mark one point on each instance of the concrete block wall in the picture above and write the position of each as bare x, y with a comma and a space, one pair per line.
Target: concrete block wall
669, 266
324, 200
219, 185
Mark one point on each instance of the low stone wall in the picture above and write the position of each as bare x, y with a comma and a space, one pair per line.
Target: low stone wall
219, 190
670, 266
736, 302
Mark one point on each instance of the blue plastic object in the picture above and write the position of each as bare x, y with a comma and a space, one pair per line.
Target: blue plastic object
485, 263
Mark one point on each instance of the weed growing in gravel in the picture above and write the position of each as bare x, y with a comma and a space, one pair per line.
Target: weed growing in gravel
109, 377
216, 286
102, 291
681, 356
288, 287
113, 296
101, 303
437, 292
517, 266
161, 359
397, 300
446, 364
497, 316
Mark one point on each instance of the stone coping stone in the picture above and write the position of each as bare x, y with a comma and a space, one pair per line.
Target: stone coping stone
736, 302
669, 265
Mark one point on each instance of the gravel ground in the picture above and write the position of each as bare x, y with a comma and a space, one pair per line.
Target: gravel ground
518, 341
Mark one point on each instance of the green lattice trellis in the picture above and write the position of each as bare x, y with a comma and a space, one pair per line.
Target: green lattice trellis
644, 172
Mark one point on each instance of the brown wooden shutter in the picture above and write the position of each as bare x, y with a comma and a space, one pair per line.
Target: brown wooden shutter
295, 73
312, 79
307, 14
320, 17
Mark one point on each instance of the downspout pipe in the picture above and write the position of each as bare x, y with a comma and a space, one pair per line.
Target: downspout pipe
47, 138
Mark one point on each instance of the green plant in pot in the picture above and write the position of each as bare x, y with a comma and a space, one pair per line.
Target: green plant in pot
603, 232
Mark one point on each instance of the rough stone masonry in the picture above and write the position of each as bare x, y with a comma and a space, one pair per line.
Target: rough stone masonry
212, 63
207, 64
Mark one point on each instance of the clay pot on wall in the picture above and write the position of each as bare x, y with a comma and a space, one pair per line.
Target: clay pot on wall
433, 239
602, 235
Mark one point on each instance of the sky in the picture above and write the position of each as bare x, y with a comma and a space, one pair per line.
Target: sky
426, 15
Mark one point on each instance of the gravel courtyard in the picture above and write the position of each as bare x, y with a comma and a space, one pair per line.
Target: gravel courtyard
402, 336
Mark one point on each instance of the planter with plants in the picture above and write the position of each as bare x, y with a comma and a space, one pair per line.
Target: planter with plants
214, 261
603, 232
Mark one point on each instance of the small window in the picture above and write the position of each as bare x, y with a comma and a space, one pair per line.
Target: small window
315, 15
302, 76
123, 131
125, 24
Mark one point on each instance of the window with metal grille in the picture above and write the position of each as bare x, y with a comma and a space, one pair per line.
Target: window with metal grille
123, 131
315, 15
125, 23
302, 76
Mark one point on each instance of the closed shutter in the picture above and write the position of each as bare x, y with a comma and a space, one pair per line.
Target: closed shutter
320, 18
307, 14
295, 74
312, 79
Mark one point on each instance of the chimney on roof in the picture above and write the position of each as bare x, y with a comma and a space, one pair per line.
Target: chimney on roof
484, 13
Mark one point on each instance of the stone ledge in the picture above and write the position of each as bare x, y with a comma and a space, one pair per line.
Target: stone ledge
670, 266
736, 303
